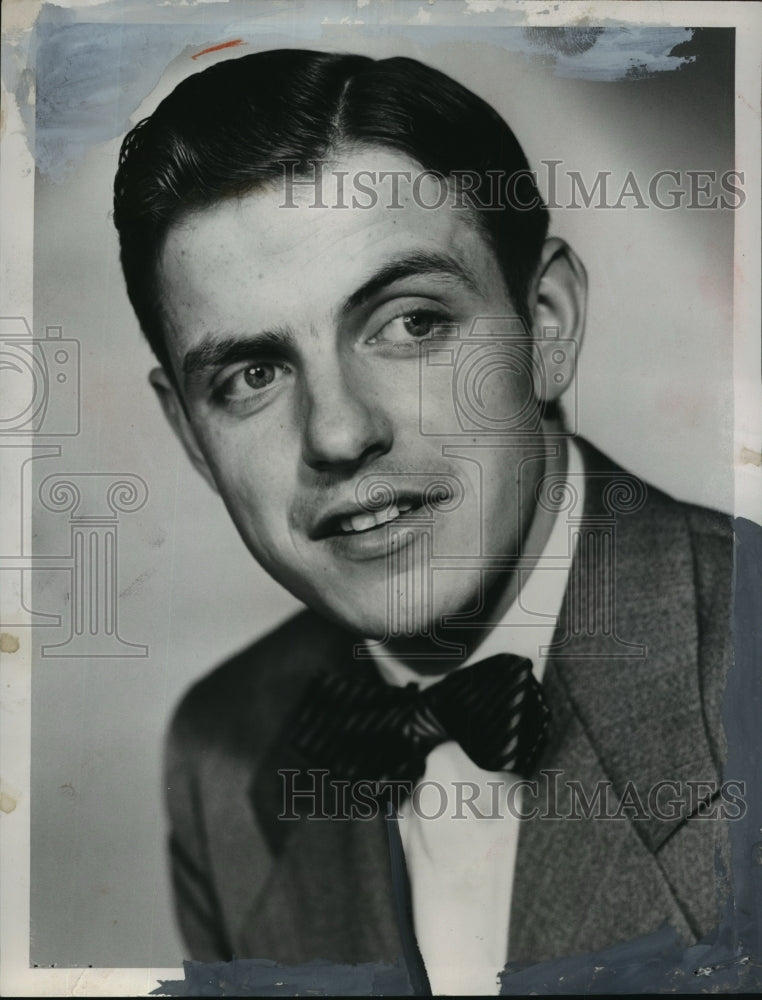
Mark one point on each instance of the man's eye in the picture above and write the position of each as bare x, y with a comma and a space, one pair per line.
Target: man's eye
259, 376
414, 325
247, 383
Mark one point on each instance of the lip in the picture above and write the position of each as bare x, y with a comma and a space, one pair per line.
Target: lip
378, 542
373, 542
330, 524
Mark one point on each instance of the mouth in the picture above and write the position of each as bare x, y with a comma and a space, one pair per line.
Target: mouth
360, 531
368, 520
353, 519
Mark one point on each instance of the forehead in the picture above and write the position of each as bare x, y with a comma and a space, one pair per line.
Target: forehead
292, 252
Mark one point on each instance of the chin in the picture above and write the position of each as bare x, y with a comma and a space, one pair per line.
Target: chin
363, 622
375, 621
406, 622
383, 608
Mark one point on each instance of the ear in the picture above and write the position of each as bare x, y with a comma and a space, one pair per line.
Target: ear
558, 302
174, 411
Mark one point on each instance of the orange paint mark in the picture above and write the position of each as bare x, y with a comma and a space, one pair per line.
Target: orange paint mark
216, 48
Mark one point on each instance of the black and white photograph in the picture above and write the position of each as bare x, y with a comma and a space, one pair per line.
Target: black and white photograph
381, 442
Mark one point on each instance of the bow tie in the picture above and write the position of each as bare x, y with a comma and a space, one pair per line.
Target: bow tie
359, 728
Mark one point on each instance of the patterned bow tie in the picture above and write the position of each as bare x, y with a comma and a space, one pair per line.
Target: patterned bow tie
362, 729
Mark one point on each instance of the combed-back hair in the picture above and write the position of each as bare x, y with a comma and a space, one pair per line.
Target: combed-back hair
228, 129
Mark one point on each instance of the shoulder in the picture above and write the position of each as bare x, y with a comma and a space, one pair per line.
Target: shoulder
651, 510
664, 546
671, 554
245, 698
707, 534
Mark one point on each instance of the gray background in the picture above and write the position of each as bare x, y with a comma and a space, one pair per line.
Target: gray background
654, 390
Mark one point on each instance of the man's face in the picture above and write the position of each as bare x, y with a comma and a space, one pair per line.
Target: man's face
297, 337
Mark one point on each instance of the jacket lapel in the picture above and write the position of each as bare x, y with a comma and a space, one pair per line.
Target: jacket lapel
328, 897
329, 892
623, 686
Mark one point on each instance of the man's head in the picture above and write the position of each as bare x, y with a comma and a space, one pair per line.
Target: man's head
292, 322
230, 129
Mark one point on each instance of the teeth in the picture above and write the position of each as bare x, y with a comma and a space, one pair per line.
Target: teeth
387, 514
360, 522
363, 522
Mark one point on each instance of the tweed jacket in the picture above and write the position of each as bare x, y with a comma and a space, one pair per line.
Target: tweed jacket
634, 680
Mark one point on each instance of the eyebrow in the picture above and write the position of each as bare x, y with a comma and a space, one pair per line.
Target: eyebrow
412, 265
215, 352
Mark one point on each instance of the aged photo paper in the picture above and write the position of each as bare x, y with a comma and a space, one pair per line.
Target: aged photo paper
125, 579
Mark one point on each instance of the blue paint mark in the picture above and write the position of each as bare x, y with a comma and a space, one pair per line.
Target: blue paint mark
261, 978
92, 75
657, 963
610, 54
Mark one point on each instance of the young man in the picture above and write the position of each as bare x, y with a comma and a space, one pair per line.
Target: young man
490, 736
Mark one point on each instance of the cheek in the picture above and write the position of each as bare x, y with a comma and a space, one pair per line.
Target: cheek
256, 490
495, 392
476, 392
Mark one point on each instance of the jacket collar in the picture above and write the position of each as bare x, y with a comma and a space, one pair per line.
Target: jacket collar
624, 688
626, 652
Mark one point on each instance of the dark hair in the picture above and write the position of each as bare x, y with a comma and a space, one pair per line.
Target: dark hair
229, 128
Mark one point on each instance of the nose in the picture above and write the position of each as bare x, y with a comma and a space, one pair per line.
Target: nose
344, 422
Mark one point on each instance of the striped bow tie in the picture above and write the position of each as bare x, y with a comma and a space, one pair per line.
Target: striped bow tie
361, 729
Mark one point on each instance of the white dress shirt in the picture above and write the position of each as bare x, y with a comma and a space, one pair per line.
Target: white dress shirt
461, 859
